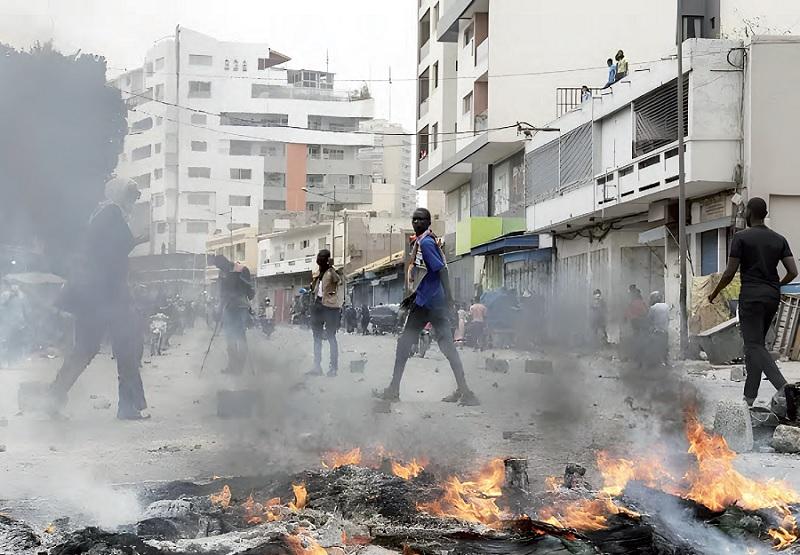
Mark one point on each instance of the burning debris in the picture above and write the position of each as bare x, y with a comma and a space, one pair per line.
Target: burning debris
642, 507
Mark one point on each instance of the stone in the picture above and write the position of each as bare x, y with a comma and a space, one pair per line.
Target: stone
732, 422
497, 365
786, 439
239, 404
534, 366
357, 366
737, 373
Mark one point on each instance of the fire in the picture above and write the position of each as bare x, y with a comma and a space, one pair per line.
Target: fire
335, 459
472, 501
786, 534
223, 498
407, 471
256, 513
583, 514
304, 545
300, 497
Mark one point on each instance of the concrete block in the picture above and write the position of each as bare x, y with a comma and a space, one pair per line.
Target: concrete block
239, 404
357, 366
533, 366
497, 365
737, 373
732, 422
34, 397
786, 439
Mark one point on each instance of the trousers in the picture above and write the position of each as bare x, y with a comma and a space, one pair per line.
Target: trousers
324, 325
234, 323
418, 317
92, 326
755, 318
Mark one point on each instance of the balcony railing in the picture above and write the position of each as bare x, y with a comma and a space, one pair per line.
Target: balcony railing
307, 93
424, 50
569, 98
423, 108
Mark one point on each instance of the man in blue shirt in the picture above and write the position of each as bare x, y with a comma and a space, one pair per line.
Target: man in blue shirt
430, 303
612, 73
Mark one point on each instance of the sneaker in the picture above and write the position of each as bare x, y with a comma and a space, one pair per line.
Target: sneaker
469, 399
454, 397
386, 395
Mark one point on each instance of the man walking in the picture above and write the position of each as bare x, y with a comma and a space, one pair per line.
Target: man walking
756, 251
97, 296
326, 312
430, 302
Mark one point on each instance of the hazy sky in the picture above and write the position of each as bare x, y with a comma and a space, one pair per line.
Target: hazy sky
363, 38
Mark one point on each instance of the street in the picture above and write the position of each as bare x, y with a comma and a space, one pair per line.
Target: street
550, 419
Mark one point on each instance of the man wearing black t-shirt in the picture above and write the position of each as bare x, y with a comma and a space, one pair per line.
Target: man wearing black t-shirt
757, 252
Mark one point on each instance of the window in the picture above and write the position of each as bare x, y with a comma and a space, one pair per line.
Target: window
161, 227
253, 120
274, 205
435, 136
158, 200
141, 152
655, 117
333, 153
158, 148
241, 173
469, 33
240, 148
424, 85
227, 64
322, 243
435, 74
314, 152
159, 63
148, 68
199, 89
467, 103
244, 65
199, 119
143, 181
235, 65
304, 244
159, 92
263, 63
274, 179
351, 179
709, 251
313, 180
239, 200
273, 150
436, 15
199, 146
199, 172
692, 27
142, 125
200, 60
196, 227
158, 173
198, 199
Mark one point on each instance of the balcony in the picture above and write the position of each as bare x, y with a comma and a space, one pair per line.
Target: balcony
481, 122
472, 232
307, 93
424, 50
482, 54
423, 108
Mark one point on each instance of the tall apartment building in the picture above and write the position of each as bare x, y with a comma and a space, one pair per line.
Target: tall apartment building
223, 136
485, 65
392, 190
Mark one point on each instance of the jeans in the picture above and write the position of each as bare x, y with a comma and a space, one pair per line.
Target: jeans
324, 324
418, 317
234, 322
91, 327
755, 318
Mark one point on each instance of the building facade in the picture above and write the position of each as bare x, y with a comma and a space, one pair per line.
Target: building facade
222, 136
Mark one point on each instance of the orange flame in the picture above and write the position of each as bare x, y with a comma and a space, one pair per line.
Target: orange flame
223, 498
472, 501
256, 513
583, 514
786, 534
304, 545
335, 459
300, 497
407, 471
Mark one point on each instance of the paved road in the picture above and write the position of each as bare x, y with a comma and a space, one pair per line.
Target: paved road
555, 419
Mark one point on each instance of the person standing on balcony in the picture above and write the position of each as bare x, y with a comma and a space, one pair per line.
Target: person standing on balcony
431, 302
612, 73
756, 252
326, 312
622, 65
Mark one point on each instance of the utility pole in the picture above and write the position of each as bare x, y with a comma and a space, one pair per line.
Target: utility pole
173, 228
684, 343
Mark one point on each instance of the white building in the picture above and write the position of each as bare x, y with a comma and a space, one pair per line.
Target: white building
392, 190
223, 136
605, 188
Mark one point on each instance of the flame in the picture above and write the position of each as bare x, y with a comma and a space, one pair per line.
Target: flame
472, 501
256, 513
300, 497
552, 483
407, 471
584, 514
223, 498
335, 459
786, 534
304, 545
51, 529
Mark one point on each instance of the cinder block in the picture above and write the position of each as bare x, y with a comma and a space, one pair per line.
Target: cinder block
737, 374
497, 365
732, 422
239, 404
533, 366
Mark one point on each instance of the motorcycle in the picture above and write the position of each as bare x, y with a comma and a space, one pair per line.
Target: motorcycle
158, 329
